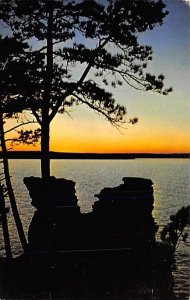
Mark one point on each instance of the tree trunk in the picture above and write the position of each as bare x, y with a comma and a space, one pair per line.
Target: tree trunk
45, 160
5, 225
45, 127
10, 188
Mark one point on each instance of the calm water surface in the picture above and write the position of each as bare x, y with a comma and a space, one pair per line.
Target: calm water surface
171, 179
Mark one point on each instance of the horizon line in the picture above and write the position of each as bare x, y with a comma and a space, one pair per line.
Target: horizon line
97, 153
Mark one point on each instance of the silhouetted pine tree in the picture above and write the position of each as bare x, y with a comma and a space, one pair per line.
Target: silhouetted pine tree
14, 78
80, 49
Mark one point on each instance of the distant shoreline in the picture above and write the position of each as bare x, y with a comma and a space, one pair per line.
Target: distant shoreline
68, 155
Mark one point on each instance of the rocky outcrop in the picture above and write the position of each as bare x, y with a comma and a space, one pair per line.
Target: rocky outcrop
124, 213
122, 217
134, 194
52, 193
57, 215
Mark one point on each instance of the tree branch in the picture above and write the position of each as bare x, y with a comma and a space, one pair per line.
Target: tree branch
80, 81
98, 110
36, 116
17, 126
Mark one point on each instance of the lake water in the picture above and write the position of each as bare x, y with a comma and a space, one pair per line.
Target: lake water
171, 179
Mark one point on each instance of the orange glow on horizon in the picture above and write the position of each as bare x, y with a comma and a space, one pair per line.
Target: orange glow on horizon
103, 149
114, 142
95, 135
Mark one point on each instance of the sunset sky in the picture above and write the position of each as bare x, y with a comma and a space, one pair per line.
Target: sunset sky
164, 125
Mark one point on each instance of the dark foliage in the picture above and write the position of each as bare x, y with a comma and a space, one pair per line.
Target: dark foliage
101, 38
15, 82
174, 231
78, 52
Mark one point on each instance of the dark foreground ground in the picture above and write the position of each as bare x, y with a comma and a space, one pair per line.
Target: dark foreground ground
84, 276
